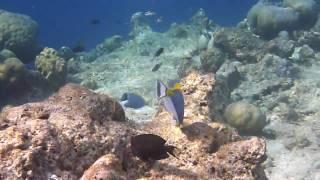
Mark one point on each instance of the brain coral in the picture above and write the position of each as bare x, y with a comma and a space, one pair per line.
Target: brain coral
52, 67
269, 20
18, 33
13, 77
307, 11
245, 117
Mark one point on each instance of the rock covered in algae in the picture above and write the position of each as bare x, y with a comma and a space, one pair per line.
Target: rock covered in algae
18, 33
52, 67
207, 150
59, 137
76, 133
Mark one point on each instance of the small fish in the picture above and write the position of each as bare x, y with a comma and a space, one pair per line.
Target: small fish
151, 146
158, 52
149, 13
95, 21
173, 100
132, 100
156, 67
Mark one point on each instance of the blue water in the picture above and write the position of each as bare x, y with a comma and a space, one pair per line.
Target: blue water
66, 22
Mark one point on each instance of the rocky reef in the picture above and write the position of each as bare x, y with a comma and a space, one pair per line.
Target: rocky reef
77, 133
251, 92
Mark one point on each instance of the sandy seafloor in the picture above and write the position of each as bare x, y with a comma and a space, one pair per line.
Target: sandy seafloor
294, 153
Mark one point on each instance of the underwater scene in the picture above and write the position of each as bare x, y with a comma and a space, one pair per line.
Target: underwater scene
150, 89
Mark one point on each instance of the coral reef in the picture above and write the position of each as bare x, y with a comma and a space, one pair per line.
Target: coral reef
307, 10
212, 59
18, 84
107, 46
268, 20
18, 33
265, 84
6, 54
177, 31
13, 78
239, 44
52, 67
245, 117
76, 126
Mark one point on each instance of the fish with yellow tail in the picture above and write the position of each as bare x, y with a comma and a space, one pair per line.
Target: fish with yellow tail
172, 100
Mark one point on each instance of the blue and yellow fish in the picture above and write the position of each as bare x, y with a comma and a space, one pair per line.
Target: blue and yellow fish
173, 100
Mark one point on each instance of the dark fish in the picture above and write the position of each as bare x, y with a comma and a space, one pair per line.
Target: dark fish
156, 67
79, 47
158, 52
151, 146
95, 21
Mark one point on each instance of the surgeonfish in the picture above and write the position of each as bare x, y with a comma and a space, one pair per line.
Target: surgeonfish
156, 67
151, 146
158, 52
176, 87
172, 99
132, 100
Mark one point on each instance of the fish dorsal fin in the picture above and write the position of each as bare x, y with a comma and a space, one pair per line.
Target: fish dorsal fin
161, 89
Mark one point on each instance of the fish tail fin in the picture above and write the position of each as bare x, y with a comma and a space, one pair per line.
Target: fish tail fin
172, 150
161, 89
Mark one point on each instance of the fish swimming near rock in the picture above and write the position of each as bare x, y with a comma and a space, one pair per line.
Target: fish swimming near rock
159, 52
156, 67
132, 100
172, 99
151, 146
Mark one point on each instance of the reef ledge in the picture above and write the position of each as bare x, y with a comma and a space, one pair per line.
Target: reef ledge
76, 133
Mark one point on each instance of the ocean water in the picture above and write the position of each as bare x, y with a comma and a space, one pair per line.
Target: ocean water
265, 58
68, 22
